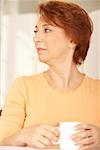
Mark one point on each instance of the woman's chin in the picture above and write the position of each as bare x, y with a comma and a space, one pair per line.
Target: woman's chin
43, 59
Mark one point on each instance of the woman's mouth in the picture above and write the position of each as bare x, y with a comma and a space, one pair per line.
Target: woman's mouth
41, 49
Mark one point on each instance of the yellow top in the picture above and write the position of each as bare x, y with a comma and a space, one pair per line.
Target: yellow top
32, 100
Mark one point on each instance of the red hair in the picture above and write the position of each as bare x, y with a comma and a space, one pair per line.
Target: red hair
75, 22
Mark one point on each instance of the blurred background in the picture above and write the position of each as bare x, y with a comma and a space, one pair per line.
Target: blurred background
18, 55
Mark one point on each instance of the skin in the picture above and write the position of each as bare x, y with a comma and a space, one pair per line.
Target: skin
87, 136
56, 49
37, 136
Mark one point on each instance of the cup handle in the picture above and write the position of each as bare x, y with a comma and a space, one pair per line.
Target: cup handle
56, 143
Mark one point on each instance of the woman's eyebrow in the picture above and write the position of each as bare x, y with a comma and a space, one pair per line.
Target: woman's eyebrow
44, 25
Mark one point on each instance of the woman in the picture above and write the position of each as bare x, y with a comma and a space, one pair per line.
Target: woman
36, 104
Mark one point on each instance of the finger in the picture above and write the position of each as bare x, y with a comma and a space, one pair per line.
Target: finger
87, 141
48, 134
56, 124
55, 139
81, 135
44, 141
53, 124
52, 136
88, 147
36, 144
83, 126
52, 129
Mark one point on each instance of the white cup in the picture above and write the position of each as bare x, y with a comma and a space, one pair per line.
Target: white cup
66, 129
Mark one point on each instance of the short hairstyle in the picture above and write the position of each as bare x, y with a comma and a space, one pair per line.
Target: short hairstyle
74, 20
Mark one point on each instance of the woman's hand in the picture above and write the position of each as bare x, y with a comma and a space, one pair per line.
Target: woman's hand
39, 136
87, 136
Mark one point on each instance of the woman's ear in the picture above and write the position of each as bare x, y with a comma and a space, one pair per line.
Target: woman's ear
72, 44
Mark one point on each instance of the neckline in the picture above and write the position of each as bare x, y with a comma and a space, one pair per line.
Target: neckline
60, 92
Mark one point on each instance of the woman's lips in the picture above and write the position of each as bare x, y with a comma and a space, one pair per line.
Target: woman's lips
40, 49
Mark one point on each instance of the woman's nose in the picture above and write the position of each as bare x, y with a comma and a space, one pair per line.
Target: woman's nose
38, 38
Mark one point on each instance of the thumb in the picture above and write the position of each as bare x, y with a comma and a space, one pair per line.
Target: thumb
56, 124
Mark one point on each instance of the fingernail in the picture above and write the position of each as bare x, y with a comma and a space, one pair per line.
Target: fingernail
72, 137
75, 128
76, 143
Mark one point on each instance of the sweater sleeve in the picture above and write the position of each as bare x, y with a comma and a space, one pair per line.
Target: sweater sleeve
13, 115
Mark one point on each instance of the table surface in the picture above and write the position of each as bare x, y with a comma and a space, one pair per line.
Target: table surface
24, 148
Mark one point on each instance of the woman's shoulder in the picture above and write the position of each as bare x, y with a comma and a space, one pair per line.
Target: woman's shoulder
92, 82
29, 79
22, 83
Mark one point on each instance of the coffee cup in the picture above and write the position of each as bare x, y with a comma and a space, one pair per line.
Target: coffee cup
67, 129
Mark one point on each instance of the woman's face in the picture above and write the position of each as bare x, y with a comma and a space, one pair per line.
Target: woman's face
51, 42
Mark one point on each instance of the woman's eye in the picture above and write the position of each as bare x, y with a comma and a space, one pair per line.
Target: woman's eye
47, 30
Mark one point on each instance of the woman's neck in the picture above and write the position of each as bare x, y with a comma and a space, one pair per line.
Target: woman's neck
64, 78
